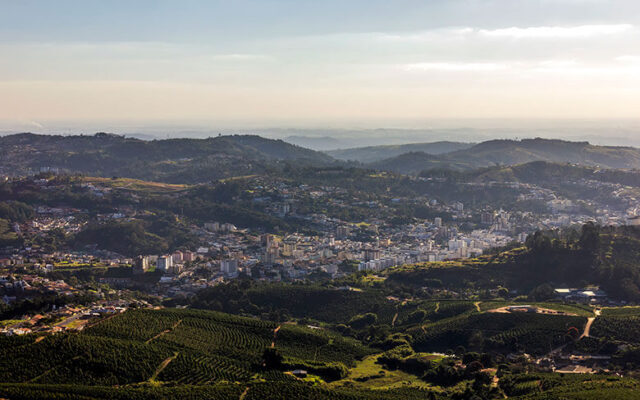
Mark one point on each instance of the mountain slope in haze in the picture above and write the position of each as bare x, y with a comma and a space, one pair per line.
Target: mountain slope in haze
539, 173
171, 160
513, 152
414, 162
377, 153
322, 143
510, 152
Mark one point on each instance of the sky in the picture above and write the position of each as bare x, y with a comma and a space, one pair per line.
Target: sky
322, 63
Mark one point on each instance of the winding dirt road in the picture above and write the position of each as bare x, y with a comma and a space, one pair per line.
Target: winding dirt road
587, 327
275, 334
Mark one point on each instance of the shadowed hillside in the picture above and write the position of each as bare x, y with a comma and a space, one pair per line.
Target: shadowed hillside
377, 153
172, 160
512, 152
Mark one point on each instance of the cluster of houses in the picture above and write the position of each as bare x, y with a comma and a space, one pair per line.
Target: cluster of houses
60, 319
585, 295
168, 263
27, 286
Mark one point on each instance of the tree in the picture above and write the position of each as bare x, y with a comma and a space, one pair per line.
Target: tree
474, 366
460, 350
590, 237
486, 360
470, 357
271, 358
362, 321
538, 242
542, 292
476, 339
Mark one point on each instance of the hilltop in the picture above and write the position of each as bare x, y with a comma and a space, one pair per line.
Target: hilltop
201, 160
376, 153
171, 160
513, 152
539, 173
606, 257
412, 162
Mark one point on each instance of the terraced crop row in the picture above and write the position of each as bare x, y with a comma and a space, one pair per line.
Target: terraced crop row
189, 369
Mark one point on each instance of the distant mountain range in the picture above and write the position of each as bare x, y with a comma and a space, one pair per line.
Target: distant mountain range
313, 142
513, 152
171, 160
201, 160
541, 173
376, 153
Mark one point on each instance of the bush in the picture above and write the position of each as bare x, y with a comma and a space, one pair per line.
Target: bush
363, 321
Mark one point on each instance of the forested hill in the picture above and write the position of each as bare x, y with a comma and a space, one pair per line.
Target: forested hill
513, 152
539, 173
606, 257
413, 162
377, 153
201, 160
172, 160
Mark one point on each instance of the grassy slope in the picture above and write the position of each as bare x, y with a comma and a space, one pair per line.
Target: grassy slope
367, 374
136, 185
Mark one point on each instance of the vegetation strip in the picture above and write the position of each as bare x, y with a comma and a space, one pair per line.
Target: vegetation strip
162, 366
164, 332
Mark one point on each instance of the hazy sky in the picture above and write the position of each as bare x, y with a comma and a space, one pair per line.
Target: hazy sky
317, 62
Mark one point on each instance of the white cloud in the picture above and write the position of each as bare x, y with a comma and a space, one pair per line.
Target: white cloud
471, 35
546, 68
241, 57
421, 36
628, 59
558, 63
455, 67
36, 124
557, 32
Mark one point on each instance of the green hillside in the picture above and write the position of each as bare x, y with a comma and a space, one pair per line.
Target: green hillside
376, 153
175, 346
513, 152
412, 162
171, 160
197, 354
603, 256
541, 173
